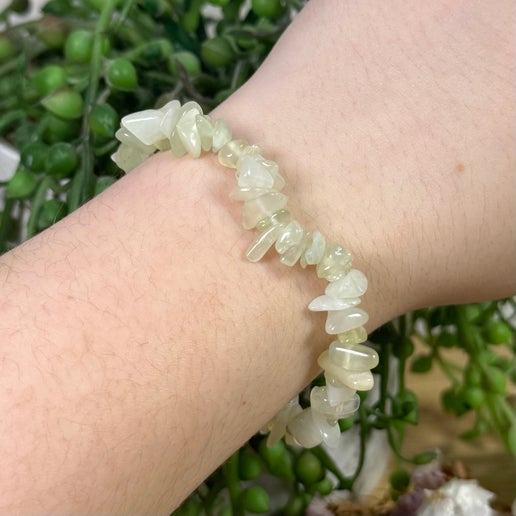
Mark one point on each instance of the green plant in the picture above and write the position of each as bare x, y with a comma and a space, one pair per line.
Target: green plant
65, 82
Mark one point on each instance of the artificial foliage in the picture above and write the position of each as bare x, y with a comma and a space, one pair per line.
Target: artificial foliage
68, 77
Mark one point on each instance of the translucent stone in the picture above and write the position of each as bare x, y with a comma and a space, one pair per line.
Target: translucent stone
292, 255
358, 380
344, 320
129, 139
354, 336
163, 145
292, 235
353, 284
355, 357
325, 303
144, 125
315, 249
339, 393
335, 263
329, 429
264, 242
321, 404
176, 145
171, 114
253, 174
255, 210
188, 133
245, 194
278, 425
305, 430
205, 128
221, 135
278, 217
128, 157
230, 153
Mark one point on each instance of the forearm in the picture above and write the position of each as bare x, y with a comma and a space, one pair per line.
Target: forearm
130, 330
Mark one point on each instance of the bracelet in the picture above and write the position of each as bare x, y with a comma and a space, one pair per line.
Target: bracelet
347, 363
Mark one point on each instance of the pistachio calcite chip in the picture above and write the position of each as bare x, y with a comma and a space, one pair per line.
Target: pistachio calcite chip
348, 362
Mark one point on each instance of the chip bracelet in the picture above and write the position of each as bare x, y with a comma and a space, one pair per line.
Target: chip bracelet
348, 362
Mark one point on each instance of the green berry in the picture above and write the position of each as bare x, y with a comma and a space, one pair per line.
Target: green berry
22, 185
104, 120
255, 500
295, 506
49, 78
324, 487
421, 364
217, 52
346, 423
33, 156
308, 468
62, 160
474, 397
447, 339
64, 103
399, 480
473, 312
79, 46
51, 211
497, 332
57, 129
189, 61
51, 31
269, 9
424, 458
402, 350
495, 380
121, 75
249, 466
472, 376
7, 48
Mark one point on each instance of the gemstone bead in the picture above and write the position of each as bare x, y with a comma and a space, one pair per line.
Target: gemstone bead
335, 263
278, 425
247, 193
329, 429
188, 133
129, 157
144, 125
305, 430
354, 336
230, 153
353, 284
344, 320
255, 210
264, 242
315, 249
321, 403
129, 139
278, 217
205, 128
355, 358
325, 303
171, 113
359, 380
221, 135
252, 173
291, 236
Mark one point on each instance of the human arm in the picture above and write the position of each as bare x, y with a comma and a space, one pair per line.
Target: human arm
139, 348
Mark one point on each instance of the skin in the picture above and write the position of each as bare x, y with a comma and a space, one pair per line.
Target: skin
138, 347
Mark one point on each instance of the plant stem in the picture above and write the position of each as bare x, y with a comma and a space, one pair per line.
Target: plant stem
37, 201
83, 182
4, 222
231, 474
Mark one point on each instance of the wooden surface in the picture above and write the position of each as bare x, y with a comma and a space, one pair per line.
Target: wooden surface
487, 459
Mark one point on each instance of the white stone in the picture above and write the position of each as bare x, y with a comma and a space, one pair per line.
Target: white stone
264, 242
176, 145
355, 358
245, 194
321, 403
257, 209
345, 320
205, 128
221, 135
325, 303
252, 173
329, 430
353, 284
127, 138
292, 235
128, 157
186, 129
360, 381
315, 250
278, 425
305, 430
230, 153
144, 125
171, 113
335, 263
339, 393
